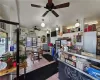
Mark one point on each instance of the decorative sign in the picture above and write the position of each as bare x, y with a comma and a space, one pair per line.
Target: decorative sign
68, 73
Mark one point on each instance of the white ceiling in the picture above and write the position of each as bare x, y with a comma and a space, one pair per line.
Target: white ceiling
29, 16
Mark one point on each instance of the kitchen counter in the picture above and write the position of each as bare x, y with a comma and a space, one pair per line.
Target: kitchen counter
68, 69
68, 72
96, 58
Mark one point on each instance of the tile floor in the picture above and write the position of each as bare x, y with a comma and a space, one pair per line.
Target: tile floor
54, 77
37, 64
32, 66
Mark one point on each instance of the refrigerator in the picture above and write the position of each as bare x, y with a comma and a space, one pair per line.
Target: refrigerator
58, 45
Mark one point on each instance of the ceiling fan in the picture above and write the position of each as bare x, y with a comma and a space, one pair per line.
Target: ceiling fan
35, 28
50, 6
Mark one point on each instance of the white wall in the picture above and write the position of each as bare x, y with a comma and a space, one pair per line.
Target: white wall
71, 36
4, 12
8, 10
53, 39
8, 13
41, 33
90, 40
34, 32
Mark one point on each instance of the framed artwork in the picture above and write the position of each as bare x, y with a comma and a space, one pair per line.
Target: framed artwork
43, 39
78, 38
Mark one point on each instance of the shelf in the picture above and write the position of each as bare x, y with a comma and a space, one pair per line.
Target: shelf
78, 70
85, 57
31, 47
73, 32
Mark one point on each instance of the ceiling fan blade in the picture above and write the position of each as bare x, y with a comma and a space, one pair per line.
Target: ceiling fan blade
55, 13
49, 1
39, 29
34, 5
45, 14
62, 5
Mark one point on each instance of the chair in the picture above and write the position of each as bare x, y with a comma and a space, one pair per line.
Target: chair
36, 55
40, 51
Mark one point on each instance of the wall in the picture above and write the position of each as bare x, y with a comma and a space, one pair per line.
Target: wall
53, 39
7, 12
71, 36
40, 33
4, 12
32, 33
90, 40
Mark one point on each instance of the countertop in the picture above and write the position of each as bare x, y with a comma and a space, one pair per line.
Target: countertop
96, 58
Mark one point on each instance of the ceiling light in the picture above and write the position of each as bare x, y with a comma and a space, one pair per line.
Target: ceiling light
57, 29
42, 24
47, 31
77, 24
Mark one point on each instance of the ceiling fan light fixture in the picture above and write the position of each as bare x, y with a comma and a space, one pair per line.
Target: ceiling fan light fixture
42, 24
47, 31
50, 7
57, 29
77, 23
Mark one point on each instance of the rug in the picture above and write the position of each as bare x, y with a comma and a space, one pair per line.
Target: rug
48, 57
42, 73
